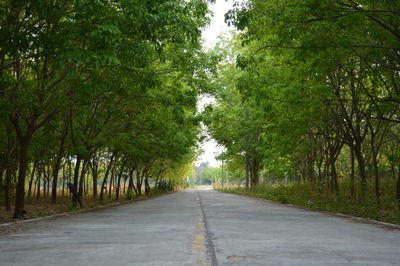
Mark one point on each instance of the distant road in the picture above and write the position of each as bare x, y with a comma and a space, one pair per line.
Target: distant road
201, 227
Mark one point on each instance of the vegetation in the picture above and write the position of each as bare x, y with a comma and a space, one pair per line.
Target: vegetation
308, 94
98, 96
206, 175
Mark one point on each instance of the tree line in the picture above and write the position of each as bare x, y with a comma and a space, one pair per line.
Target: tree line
95, 94
309, 92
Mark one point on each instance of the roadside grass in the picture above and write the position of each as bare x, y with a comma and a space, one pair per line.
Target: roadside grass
320, 197
43, 207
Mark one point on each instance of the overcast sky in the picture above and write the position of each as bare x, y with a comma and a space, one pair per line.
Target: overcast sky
217, 26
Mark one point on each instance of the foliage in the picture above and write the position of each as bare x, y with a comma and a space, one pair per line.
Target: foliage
308, 92
99, 89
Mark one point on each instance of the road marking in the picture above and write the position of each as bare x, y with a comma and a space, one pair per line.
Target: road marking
207, 236
199, 243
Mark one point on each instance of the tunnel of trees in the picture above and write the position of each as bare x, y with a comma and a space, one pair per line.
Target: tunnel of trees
98, 96
309, 92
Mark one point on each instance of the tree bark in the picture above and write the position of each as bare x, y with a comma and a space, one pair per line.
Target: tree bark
57, 164
104, 183
38, 182
246, 167
352, 173
76, 177
119, 180
31, 180
23, 163
95, 167
398, 186
361, 167
82, 178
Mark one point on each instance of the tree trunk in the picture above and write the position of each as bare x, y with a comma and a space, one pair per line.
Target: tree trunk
44, 185
57, 164
48, 184
82, 178
110, 187
7, 188
398, 186
246, 166
119, 180
75, 194
334, 176
23, 163
104, 183
147, 187
352, 173
31, 179
76, 177
361, 167
63, 181
131, 185
377, 178
95, 177
38, 183
139, 182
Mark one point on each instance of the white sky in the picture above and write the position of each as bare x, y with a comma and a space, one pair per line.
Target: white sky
210, 35
210, 147
217, 25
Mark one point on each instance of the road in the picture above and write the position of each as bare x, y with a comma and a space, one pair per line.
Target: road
200, 227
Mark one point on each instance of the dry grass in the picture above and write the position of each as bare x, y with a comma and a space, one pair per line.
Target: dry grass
43, 207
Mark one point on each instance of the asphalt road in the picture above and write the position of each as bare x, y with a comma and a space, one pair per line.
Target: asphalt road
201, 228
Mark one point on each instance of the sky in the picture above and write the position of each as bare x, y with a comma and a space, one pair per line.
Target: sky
210, 35
217, 25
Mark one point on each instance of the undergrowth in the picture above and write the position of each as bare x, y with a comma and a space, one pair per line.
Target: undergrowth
320, 197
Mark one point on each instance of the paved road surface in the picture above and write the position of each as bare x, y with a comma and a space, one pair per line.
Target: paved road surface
201, 228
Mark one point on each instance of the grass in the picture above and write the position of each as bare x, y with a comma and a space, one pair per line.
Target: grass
43, 207
320, 197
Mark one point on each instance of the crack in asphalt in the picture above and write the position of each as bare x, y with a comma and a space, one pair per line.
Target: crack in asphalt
210, 244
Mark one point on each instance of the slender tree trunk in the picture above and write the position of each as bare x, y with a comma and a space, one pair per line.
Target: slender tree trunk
82, 178
63, 181
38, 183
131, 185
377, 178
31, 180
139, 182
361, 167
44, 185
23, 163
110, 187
393, 172
104, 183
10, 165
334, 176
246, 165
48, 184
119, 180
398, 186
95, 177
352, 173
7, 190
76, 179
147, 187
57, 164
